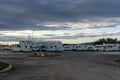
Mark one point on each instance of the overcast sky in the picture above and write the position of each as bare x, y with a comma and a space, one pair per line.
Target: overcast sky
70, 21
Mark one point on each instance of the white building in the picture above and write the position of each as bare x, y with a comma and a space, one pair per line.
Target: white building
22, 46
38, 46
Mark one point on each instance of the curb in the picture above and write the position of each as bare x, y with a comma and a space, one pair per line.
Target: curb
6, 69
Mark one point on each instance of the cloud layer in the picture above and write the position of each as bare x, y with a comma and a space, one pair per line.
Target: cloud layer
24, 14
59, 15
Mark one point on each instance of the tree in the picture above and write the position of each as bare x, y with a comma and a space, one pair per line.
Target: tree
106, 41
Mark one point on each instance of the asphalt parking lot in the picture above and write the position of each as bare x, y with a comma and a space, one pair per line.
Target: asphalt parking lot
68, 66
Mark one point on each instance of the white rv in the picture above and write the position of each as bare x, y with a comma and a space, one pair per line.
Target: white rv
108, 47
67, 47
111, 47
5, 47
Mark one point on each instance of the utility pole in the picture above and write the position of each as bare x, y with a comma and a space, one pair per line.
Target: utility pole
32, 38
33, 34
29, 37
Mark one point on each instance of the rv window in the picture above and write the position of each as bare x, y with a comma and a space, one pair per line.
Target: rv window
25, 46
18, 46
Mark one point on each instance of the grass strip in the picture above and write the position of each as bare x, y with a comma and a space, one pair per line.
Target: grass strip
3, 65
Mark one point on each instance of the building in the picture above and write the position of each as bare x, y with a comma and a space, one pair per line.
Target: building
22, 46
38, 46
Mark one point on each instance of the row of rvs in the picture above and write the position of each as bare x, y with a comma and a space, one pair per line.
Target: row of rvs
101, 47
57, 46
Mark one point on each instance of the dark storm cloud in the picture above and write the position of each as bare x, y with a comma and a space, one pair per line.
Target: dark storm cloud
30, 27
11, 38
21, 14
102, 26
19, 38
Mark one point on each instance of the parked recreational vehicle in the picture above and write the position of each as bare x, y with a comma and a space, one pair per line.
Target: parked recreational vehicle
5, 47
111, 47
99, 47
54, 45
108, 47
80, 47
67, 47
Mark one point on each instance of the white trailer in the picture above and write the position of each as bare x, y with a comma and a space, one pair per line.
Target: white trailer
111, 47
108, 47
67, 47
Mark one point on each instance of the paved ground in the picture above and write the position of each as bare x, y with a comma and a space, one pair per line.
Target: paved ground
68, 66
